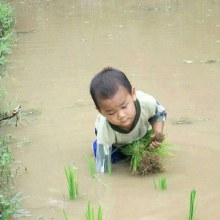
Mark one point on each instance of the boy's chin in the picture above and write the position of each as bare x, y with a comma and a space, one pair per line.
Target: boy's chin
125, 126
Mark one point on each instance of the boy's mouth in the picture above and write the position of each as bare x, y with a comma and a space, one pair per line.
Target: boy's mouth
123, 120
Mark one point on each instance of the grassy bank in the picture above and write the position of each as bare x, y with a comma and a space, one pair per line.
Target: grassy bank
7, 23
9, 201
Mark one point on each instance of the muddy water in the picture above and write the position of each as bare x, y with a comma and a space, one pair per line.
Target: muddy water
170, 49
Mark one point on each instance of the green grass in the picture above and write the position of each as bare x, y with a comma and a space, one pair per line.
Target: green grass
192, 205
5, 161
72, 183
10, 206
7, 23
9, 202
90, 214
7, 18
2, 97
6, 43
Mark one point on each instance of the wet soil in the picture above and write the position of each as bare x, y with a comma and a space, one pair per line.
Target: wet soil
164, 47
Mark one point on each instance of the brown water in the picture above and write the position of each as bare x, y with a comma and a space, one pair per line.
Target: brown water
170, 49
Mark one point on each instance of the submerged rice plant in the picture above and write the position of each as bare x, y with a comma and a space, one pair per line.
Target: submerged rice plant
90, 214
72, 183
163, 183
144, 159
92, 168
192, 205
155, 185
65, 215
91, 163
99, 213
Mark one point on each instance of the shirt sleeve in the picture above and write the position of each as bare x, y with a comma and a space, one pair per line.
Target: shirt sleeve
103, 158
160, 114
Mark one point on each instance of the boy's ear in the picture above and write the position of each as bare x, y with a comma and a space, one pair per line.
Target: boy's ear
133, 93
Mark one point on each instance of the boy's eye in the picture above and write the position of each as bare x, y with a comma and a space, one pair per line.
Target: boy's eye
125, 106
111, 113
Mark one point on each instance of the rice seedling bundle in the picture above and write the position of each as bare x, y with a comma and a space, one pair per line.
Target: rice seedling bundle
146, 160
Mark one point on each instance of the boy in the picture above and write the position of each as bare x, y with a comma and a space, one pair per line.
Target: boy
125, 115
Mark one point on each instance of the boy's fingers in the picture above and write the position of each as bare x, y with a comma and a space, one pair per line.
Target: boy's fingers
155, 144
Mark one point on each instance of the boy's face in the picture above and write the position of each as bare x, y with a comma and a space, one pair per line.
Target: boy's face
120, 109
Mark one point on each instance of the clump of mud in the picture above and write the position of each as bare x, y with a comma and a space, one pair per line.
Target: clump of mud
157, 137
150, 164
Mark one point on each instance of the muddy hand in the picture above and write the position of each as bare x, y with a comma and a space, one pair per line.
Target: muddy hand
155, 144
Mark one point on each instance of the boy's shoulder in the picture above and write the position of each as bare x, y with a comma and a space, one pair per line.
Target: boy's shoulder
147, 104
145, 98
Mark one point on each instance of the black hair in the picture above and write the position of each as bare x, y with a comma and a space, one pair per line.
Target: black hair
104, 84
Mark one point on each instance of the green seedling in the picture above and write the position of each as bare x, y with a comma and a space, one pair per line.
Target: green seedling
65, 217
92, 167
110, 169
192, 205
72, 183
155, 185
90, 214
91, 163
163, 183
100, 213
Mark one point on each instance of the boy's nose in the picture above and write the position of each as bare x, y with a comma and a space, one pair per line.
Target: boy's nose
121, 115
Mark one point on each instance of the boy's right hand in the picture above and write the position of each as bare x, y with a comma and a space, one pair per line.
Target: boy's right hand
155, 144
156, 140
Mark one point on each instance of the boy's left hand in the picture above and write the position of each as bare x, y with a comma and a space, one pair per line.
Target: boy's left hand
157, 139
155, 144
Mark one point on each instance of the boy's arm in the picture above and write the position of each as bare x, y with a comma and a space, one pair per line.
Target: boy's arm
157, 126
157, 122
103, 158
